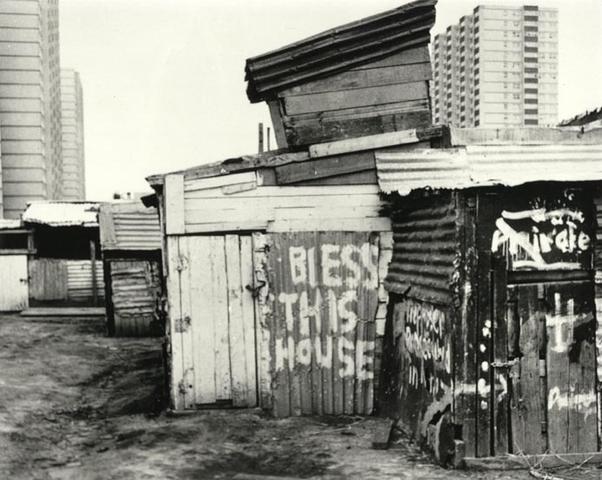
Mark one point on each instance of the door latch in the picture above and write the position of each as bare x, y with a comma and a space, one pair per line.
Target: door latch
508, 364
256, 290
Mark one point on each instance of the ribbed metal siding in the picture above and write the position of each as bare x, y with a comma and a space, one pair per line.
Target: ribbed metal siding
79, 280
137, 230
322, 327
476, 165
135, 286
424, 248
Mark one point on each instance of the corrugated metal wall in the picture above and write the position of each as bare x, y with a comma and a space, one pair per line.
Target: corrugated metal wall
79, 280
322, 325
424, 248
137, 230
135, 285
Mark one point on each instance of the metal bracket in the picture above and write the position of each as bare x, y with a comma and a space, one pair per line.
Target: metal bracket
255, 291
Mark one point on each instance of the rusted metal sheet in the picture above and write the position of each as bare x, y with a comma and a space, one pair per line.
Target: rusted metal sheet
79, 280
324, 287
424, 248
129, 226
341, 48
135, 290
475, 165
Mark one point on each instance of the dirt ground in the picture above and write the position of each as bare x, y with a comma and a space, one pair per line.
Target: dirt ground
75, 404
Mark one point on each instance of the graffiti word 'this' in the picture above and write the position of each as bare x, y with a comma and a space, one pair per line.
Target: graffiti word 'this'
320, 326
349, 265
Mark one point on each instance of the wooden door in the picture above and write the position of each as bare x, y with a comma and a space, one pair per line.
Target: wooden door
212, 320
545, 352
47, 279
14, 290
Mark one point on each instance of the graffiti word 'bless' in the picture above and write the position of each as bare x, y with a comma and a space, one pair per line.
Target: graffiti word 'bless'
321, 315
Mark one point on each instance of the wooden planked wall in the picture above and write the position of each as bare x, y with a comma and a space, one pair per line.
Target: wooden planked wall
382, 96
240, 202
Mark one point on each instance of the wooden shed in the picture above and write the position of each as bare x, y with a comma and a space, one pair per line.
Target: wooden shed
274, 266
130, 241
15, 246
64, 263
363, 78
493, 338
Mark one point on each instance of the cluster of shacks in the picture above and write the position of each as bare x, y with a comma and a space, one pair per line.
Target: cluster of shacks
374, 263
80, 258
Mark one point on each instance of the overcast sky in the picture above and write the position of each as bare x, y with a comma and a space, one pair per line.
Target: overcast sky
164, 82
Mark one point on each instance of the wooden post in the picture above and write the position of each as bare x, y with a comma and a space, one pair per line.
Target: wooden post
260, 132
93, 260
268, 135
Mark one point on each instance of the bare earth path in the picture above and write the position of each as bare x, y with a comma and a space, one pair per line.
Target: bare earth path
77, 405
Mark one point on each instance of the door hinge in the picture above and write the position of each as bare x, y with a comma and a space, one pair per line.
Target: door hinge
255, 291
181, 324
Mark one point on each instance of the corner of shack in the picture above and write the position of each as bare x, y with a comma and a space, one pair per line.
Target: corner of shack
490, 340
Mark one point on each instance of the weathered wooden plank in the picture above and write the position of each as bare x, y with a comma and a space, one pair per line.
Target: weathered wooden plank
248, 320
363, 78
217, 313
198, 329
106, 226
325, 167
527, 395
367, 177
369, 142
293, 200
237, 338
263, 320
276, 116
225, 227
286, 191
174, 294
407, 57
174, 204
194, 185
310, 133
358, 97
366, 224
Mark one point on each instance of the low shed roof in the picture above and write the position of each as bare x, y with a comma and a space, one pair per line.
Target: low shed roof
483, 157
62, 214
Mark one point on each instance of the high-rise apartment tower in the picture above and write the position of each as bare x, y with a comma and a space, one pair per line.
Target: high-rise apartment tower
72, 119
30, 115
497, 68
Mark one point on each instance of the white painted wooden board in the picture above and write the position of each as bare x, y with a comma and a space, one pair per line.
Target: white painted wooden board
174, 313
174, 204
248, 319
218, 313
14, 291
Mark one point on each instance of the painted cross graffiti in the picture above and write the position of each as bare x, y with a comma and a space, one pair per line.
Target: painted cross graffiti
542, 239
322, 311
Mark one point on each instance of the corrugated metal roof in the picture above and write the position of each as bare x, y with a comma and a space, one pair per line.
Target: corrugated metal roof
129, 226
476, 166
340, 48
62, 214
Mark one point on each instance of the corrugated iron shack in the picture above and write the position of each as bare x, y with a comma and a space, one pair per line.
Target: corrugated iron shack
493, 337
15, 246
130, 240
274, 262
65, 267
